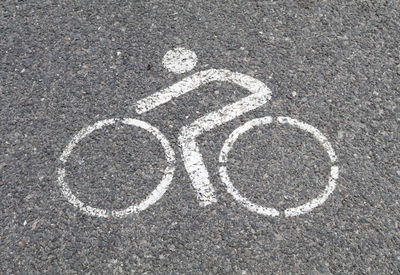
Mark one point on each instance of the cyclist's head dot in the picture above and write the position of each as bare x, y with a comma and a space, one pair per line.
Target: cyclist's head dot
179, 60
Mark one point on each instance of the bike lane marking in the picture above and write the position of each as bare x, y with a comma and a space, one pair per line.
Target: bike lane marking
196, 80
193, 160
294, 211
334, 172
154, 196
223, 157
179, 61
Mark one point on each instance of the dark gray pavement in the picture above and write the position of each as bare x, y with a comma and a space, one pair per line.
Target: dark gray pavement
66, 64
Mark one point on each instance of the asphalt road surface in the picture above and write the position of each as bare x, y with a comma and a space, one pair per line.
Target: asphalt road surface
65, 65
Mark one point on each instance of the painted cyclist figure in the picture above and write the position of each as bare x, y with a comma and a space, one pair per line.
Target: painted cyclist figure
181, 60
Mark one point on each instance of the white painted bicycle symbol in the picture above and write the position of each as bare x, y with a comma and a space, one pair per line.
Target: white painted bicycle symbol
181, 60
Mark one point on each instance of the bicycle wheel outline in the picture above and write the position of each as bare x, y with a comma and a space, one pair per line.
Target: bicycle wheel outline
289, 212
152, 198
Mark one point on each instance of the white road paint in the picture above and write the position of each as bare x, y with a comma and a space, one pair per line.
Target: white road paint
194, 81
307, 207
154, 196
223, 157
193, 160
312, 130
197, 171
179, 60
